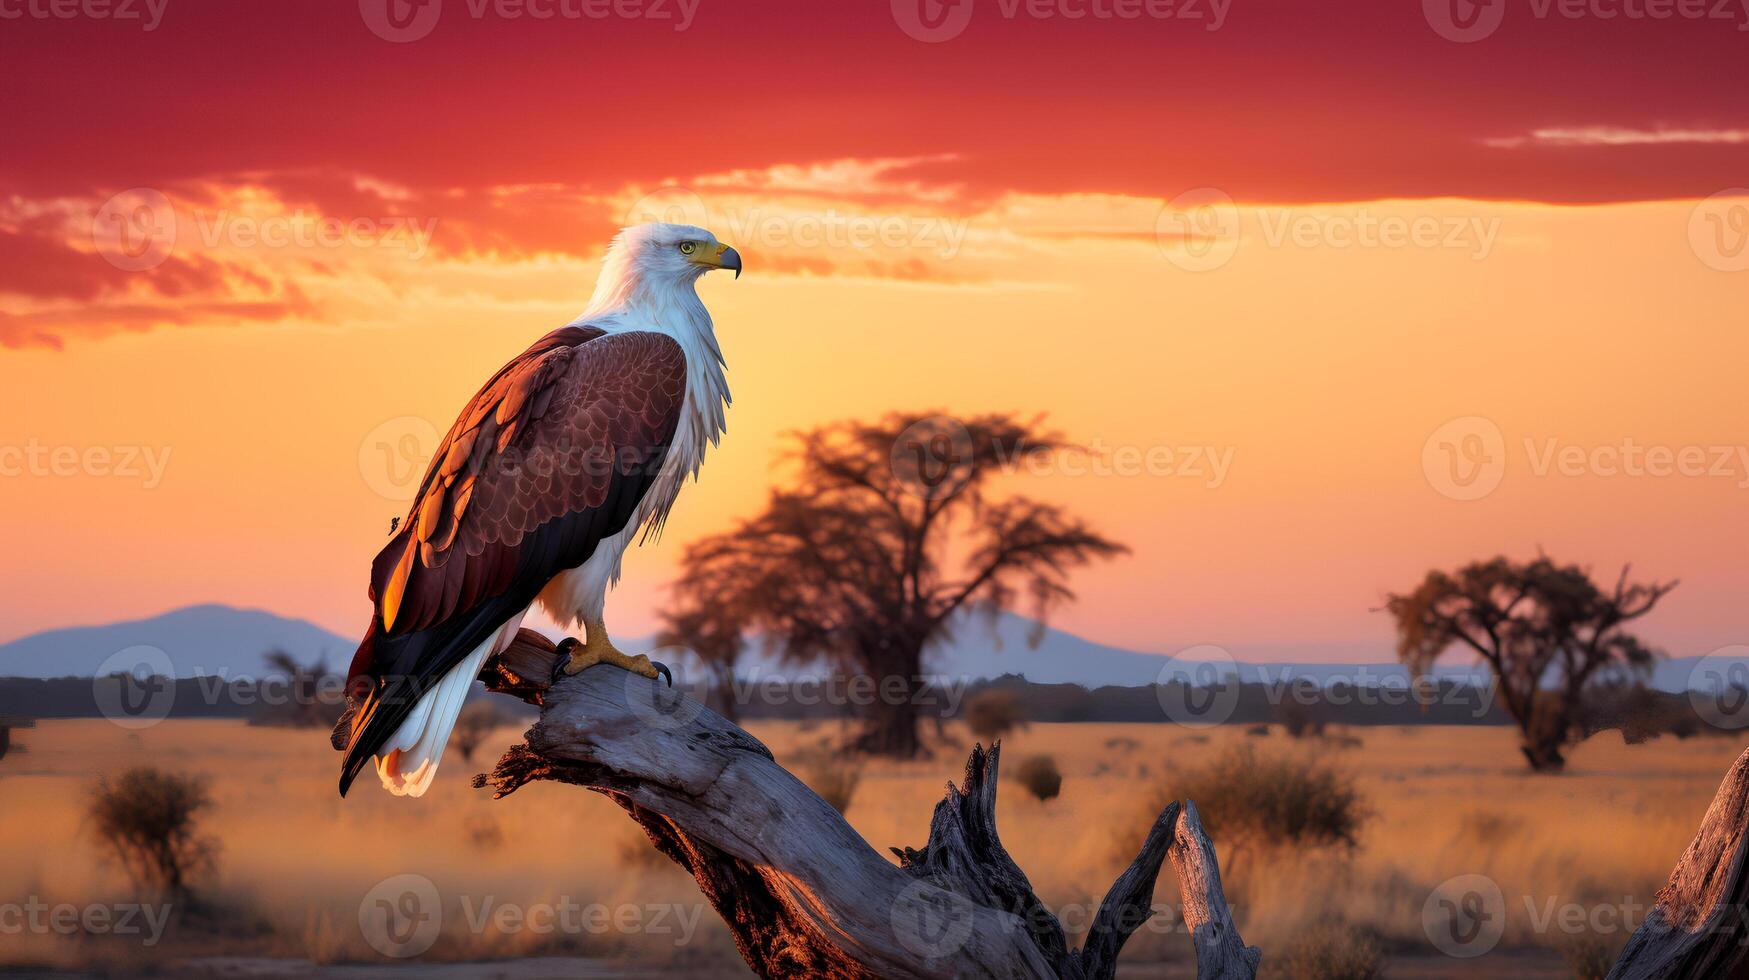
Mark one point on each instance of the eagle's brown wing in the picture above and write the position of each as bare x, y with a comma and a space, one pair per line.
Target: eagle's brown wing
551, 456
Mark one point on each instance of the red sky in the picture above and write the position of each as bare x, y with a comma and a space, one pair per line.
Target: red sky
1591, 314
1286, 101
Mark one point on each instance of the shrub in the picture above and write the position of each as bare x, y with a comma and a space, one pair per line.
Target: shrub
484, 832
1296, 718
991, 714
1247, 797
1039, 774
1331, 951
149, 819
1588, 957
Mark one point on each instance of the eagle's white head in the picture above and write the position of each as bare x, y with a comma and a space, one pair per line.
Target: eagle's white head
648, 282
658, 262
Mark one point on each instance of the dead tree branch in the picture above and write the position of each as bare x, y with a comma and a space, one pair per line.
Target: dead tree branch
1698, 928
803, 894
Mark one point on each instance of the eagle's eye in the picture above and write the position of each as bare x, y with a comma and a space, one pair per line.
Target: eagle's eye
687, 248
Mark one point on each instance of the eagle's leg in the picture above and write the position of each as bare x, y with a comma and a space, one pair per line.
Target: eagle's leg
599, 649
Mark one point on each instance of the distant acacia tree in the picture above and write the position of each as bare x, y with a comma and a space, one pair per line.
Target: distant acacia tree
888, 533
306, 698
1545, 630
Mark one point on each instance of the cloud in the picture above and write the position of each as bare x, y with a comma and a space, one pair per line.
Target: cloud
1620, 136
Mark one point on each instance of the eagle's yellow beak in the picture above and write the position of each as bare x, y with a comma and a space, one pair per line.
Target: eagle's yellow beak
721, 257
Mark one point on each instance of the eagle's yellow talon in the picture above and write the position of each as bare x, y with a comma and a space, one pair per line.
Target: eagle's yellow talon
600, 650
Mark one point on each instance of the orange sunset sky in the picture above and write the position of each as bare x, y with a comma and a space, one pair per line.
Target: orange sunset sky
255, 257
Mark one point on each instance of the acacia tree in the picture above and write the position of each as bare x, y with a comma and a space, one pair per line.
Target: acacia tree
888, 537
1546, 631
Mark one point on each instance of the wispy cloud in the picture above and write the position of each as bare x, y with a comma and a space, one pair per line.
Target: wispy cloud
1617, 136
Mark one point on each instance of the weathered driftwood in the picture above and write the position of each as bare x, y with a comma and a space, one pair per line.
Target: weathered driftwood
1699, 928
802, 893
1219, 950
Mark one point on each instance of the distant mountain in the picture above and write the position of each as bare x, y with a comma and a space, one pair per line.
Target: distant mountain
211, 639
974, 653
223, 640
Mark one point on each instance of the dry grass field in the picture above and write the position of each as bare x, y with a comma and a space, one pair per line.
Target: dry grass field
1573, 855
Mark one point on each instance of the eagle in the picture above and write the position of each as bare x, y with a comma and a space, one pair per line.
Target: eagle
567, 454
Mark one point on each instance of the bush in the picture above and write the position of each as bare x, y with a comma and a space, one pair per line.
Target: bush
991, 714
1039, 774
1247, 797
1589, 957
149, 819
1296, 718
1331, 952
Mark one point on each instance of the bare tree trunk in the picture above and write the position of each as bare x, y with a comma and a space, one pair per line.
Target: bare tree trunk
890, 729
1699, 928
802, 893
890, 723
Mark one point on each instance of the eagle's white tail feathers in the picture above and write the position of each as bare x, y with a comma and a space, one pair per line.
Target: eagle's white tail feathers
408, 762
